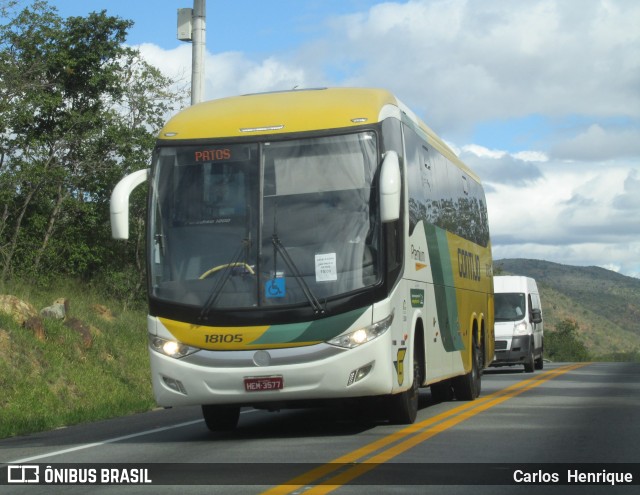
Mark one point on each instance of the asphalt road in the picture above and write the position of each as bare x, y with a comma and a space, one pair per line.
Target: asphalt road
564, 419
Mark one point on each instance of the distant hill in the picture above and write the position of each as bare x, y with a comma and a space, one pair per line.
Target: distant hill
605, 304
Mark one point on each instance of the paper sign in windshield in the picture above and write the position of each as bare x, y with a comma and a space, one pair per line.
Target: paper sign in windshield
326, 267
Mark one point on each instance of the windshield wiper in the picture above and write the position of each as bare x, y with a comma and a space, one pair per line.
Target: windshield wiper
226, 274
306, 290
318, 309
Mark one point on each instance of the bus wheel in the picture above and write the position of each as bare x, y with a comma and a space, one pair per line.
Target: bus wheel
221, 418
403, 407
467, 387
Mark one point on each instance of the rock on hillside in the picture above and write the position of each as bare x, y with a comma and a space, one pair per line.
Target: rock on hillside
23, 313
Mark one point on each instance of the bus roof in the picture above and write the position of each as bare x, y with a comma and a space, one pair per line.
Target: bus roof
279, 113
284, 112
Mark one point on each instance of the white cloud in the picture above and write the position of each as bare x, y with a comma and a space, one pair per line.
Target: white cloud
273, 74
498, 167
174, 63
577, 204
463, 61
531, 156
628, 201
597, 143
578, 213
483, 152
229, 73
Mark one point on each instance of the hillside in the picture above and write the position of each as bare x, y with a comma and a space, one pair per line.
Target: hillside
82, 358
605, 304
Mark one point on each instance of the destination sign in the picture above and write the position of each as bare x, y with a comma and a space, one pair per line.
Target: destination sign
213, 155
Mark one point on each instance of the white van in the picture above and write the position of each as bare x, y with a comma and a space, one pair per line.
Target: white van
518, 323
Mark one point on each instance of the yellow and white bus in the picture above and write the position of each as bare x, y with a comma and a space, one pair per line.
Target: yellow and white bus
311, 245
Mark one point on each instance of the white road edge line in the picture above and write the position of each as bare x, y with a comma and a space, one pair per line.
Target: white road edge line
104, 442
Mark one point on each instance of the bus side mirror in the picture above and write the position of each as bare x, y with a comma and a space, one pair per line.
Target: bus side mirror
390, 187
536, 316
119, 208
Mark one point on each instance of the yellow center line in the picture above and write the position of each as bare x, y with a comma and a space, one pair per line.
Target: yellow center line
421, 431
360, 469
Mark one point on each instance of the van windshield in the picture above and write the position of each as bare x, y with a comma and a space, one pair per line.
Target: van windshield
509, 306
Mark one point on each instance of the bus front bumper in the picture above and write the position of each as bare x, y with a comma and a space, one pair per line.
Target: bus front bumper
248, 378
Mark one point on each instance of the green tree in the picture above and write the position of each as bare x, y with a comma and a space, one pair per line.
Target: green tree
79, 110
564, 344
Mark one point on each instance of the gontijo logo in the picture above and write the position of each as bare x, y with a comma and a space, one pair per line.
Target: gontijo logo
468, 265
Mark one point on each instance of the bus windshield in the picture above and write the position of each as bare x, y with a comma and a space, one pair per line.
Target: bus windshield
264, 224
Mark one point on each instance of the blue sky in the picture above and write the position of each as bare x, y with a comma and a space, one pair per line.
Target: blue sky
251, 26
540, 97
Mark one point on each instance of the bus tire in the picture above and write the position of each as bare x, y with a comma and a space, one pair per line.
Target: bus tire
221, 418
403, 407
467, 387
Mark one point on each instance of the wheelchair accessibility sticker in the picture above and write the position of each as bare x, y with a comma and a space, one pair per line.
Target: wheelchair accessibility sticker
275, 287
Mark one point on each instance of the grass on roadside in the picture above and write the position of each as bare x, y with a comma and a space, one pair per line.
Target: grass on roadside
64, 379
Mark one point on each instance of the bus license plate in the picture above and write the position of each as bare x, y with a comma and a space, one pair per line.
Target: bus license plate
263, 383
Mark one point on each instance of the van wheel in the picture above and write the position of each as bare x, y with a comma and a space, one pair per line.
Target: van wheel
529, 364
402, 408
540, 361
468, 387
221, 418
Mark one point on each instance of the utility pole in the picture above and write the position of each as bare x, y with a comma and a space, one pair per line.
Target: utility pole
191, 27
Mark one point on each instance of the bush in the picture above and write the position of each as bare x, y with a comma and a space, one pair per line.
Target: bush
564, 343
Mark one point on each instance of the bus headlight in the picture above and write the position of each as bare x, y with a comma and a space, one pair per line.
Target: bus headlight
170, 348
362, 335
